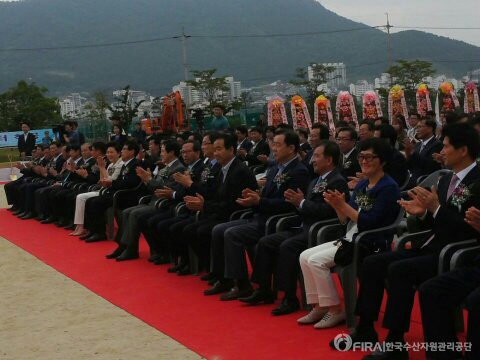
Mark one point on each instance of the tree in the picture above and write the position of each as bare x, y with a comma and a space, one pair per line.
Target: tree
124, 109
246, 99
409, 74
27, 102
96, 110
211, 86
319, 77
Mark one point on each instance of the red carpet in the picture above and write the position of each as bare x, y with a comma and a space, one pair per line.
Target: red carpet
176, 306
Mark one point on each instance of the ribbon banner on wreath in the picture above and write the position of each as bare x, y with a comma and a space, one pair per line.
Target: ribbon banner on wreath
371, 105
424, 103
346, 108
300, 115
446, 96
276, 111
397, 103
323, 113
471, 103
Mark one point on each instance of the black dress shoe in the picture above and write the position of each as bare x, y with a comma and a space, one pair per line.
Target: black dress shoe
40, 217
259, 295
356, 337
287, 306
18, 212
387, 355
212, 282
27, 216
184, 271
162, 260
70, 227
236, 293
220, 287
177, 267
13, 208
154, 257
62, 223
117, 252
22, 214
49, 220
127, 255
85, 237
209, 276
96, 237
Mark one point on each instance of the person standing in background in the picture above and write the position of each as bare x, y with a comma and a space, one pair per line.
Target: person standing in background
26, 141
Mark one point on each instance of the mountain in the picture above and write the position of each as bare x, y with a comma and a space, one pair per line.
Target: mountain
157, 65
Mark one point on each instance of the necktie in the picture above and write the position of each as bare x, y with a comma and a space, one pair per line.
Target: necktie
344, 160
421, 147
450, 190
452, 186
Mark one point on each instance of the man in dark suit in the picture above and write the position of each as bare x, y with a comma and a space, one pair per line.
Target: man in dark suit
56, 162
440, 296
290, 173
288, 245
233, 178
318, 133
419, 157
303, 136
397, 168
242, 139
260, 147
26, 141
348, 164
96, 207
405, 270
129, 231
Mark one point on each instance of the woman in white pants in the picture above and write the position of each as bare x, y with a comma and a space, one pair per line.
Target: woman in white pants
373, 205
112, 172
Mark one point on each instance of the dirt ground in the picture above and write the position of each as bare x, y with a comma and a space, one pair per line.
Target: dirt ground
46, 315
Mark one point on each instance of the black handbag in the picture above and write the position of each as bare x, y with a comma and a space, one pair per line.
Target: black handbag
344, 254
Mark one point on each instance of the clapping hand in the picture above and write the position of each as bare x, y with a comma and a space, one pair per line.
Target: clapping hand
183, 179
106, 182
241, 152
429, 199
409, 148
439, 158
194, 203
164, 193
353, 182
262, 158
249, 198
335, 198
52, 171
294, 197
82, 172
414, 206
472, 218
262, 182
100, 162
145, 175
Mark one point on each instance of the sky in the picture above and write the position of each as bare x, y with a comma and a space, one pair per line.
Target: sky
431, 13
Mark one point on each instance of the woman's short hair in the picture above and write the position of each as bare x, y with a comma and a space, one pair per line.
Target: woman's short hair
380, 147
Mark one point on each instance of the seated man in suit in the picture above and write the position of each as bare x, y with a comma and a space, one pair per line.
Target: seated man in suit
405, 270
288, 245
260, 147
289, 174
129, 232
439, 297
242, 139
234, 177
96, 207
348, 164
56, 162
318, 133
419, 156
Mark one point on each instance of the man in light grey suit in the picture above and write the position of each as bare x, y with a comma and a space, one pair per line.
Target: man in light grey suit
129, 231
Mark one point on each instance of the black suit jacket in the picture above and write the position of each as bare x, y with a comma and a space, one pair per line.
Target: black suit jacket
27, 146
246, 145
272, 200
239, 177
351, 166
422, 163
93, 172
397, 168
196, 176
261, 148
305, 147
308, 165
314, 208
208, 185
128, 178
449, 225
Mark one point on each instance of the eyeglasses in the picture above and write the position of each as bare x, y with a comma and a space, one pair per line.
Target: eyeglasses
342, 139
368, 158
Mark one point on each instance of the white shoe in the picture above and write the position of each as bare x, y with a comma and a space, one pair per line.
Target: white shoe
314, 316
330, 320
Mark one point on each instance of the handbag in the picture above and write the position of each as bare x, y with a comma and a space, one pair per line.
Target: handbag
344, 254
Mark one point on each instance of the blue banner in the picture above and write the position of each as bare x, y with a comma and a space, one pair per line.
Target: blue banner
10, 139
